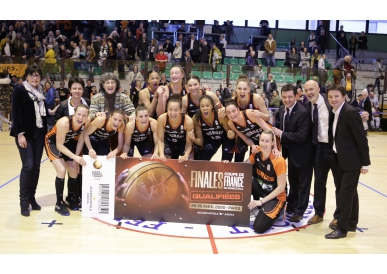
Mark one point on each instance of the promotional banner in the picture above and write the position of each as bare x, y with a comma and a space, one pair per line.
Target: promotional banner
14, 69
98, 177
198, 192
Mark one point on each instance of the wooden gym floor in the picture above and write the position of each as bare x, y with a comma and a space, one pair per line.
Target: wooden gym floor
77, 235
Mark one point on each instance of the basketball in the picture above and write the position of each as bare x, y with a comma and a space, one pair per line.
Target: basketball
151, 187
97, 164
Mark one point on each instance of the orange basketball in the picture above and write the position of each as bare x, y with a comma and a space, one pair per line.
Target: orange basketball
151, 187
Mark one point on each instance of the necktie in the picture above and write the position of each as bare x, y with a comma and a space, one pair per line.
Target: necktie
315, 125
287, 122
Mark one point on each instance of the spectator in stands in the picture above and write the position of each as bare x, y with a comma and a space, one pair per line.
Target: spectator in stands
270, 47
142, 47
366, 105
251, 48
362, 46
349, 85
259, 74
139, 31
311, 39
163, 80
342, 65
226, 92
322, 70
76, 52
301, 47
265, 100
222, 47
374, 99
304, 63
275, 100
352, 42
63, 91
338, 36
269, 85
251, 59
253, 85
370, 87
292, 44
134, 75
162, 60
301, 97
357, 103
204, 53
320, 28
153, 49
344, 44
298, 84
322, 41
7, 50
177, 52
55, 47
168, 49
314, 59
378, 73
193, 46
63, 52
18, 44
49, 91
26, 54
215, 56
294, 58
375, 121
181, 28
216, 28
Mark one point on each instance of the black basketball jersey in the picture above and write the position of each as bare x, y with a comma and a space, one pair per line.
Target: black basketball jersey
192, 107
70, 135
250, 129
139, 136
183, 91
214, 131
175, 134
250, 105
101, 133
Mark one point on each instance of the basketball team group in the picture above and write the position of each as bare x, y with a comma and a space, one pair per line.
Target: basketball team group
186, 121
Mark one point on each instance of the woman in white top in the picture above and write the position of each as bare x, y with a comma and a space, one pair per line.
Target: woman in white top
177, 53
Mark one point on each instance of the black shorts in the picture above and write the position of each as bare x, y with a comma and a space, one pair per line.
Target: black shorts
102, 147
174, 150
53, 153
144, 148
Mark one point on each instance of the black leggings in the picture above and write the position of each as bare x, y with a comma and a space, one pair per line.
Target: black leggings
210, 147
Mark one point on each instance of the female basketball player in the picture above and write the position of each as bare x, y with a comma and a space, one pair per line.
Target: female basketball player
141, 133
100, 129
64, 143
270, 183
177, 86
148, 96
211, 131
191, 99
172, 132
245, 124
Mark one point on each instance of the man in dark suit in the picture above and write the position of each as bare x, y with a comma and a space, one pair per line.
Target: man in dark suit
350, 144
366, 105
321, 111
297, 147
269, 85
193, 46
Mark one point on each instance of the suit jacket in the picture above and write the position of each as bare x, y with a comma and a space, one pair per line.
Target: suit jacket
366, 105
195, 48
297, 142
23, 114
273, 86
350, 139
308, 106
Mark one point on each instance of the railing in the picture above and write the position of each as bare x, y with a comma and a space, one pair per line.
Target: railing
346, 51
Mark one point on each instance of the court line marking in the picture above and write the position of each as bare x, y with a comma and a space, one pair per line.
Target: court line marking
14, 178
373, 189
212, 241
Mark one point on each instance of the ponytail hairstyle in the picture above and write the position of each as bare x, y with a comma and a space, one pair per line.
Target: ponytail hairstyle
198, 114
